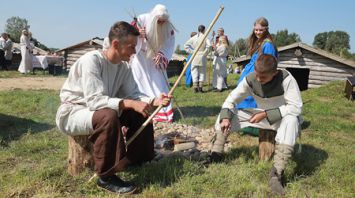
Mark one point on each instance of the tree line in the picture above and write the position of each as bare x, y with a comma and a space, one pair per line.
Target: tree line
14, 27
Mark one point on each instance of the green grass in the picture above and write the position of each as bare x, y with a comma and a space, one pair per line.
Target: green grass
33, 152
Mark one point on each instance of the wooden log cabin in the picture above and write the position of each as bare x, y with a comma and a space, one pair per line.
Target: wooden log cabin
72, 53
310, 66
176, 64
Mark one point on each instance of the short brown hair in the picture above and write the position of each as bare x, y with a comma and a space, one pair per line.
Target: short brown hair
201, 28
266, 63
120, 31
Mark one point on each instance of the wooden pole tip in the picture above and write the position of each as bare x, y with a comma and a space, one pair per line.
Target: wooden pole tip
222, 6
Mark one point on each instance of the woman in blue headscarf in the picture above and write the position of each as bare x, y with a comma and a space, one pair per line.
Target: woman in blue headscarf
259, 42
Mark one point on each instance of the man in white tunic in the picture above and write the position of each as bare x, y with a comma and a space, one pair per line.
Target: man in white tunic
155, 48
8, 51
26, 55
280, 105
100, 98
198, 65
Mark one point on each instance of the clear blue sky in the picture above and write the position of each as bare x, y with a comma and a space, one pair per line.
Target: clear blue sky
66, 22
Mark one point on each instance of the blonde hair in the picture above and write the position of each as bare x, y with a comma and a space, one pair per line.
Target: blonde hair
222, 40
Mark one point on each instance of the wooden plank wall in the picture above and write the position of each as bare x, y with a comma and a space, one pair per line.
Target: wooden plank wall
74, 53
322, 69
174, 68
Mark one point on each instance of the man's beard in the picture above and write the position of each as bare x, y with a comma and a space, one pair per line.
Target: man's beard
157, 37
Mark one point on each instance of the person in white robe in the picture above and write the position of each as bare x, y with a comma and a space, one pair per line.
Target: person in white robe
26, 55
198, 65
154, 49
220, 65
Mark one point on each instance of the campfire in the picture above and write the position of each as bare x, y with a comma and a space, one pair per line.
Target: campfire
172, 139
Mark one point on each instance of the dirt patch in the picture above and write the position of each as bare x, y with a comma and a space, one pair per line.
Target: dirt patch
27, 83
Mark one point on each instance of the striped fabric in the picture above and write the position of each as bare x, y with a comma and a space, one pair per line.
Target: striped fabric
161, 62
164, 115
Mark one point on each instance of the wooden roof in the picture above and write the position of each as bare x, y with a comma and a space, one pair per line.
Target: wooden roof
95, 40
178, 57
309, 48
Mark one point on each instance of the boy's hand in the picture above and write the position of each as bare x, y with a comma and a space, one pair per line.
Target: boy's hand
256, 118
225, 126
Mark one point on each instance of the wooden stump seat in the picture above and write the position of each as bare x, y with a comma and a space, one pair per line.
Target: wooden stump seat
266, 144
80, 154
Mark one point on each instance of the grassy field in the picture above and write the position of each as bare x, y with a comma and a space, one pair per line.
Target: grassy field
33, 153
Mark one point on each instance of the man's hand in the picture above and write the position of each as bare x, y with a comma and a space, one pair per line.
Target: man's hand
225, 126
160, 61
138, 106
162, 100
257, 117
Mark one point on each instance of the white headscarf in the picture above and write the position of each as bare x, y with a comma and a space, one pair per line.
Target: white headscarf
157, 34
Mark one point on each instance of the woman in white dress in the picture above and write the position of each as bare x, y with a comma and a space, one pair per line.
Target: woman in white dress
220, 67
26, 48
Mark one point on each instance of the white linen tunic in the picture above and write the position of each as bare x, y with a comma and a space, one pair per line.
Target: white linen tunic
220, 67
94, 83
198, 65
282, 102
8, 49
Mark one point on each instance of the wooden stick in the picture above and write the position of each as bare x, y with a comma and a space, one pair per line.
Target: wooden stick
92, 177
178, 80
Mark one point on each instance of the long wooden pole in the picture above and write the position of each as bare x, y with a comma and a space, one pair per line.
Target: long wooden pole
178, 80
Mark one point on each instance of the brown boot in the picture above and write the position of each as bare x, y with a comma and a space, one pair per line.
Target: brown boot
218, 146
275, 182
195, 85
200, 85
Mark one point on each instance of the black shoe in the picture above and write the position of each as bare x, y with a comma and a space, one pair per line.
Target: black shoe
196, 90
275, 182
200, 90
116, 185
